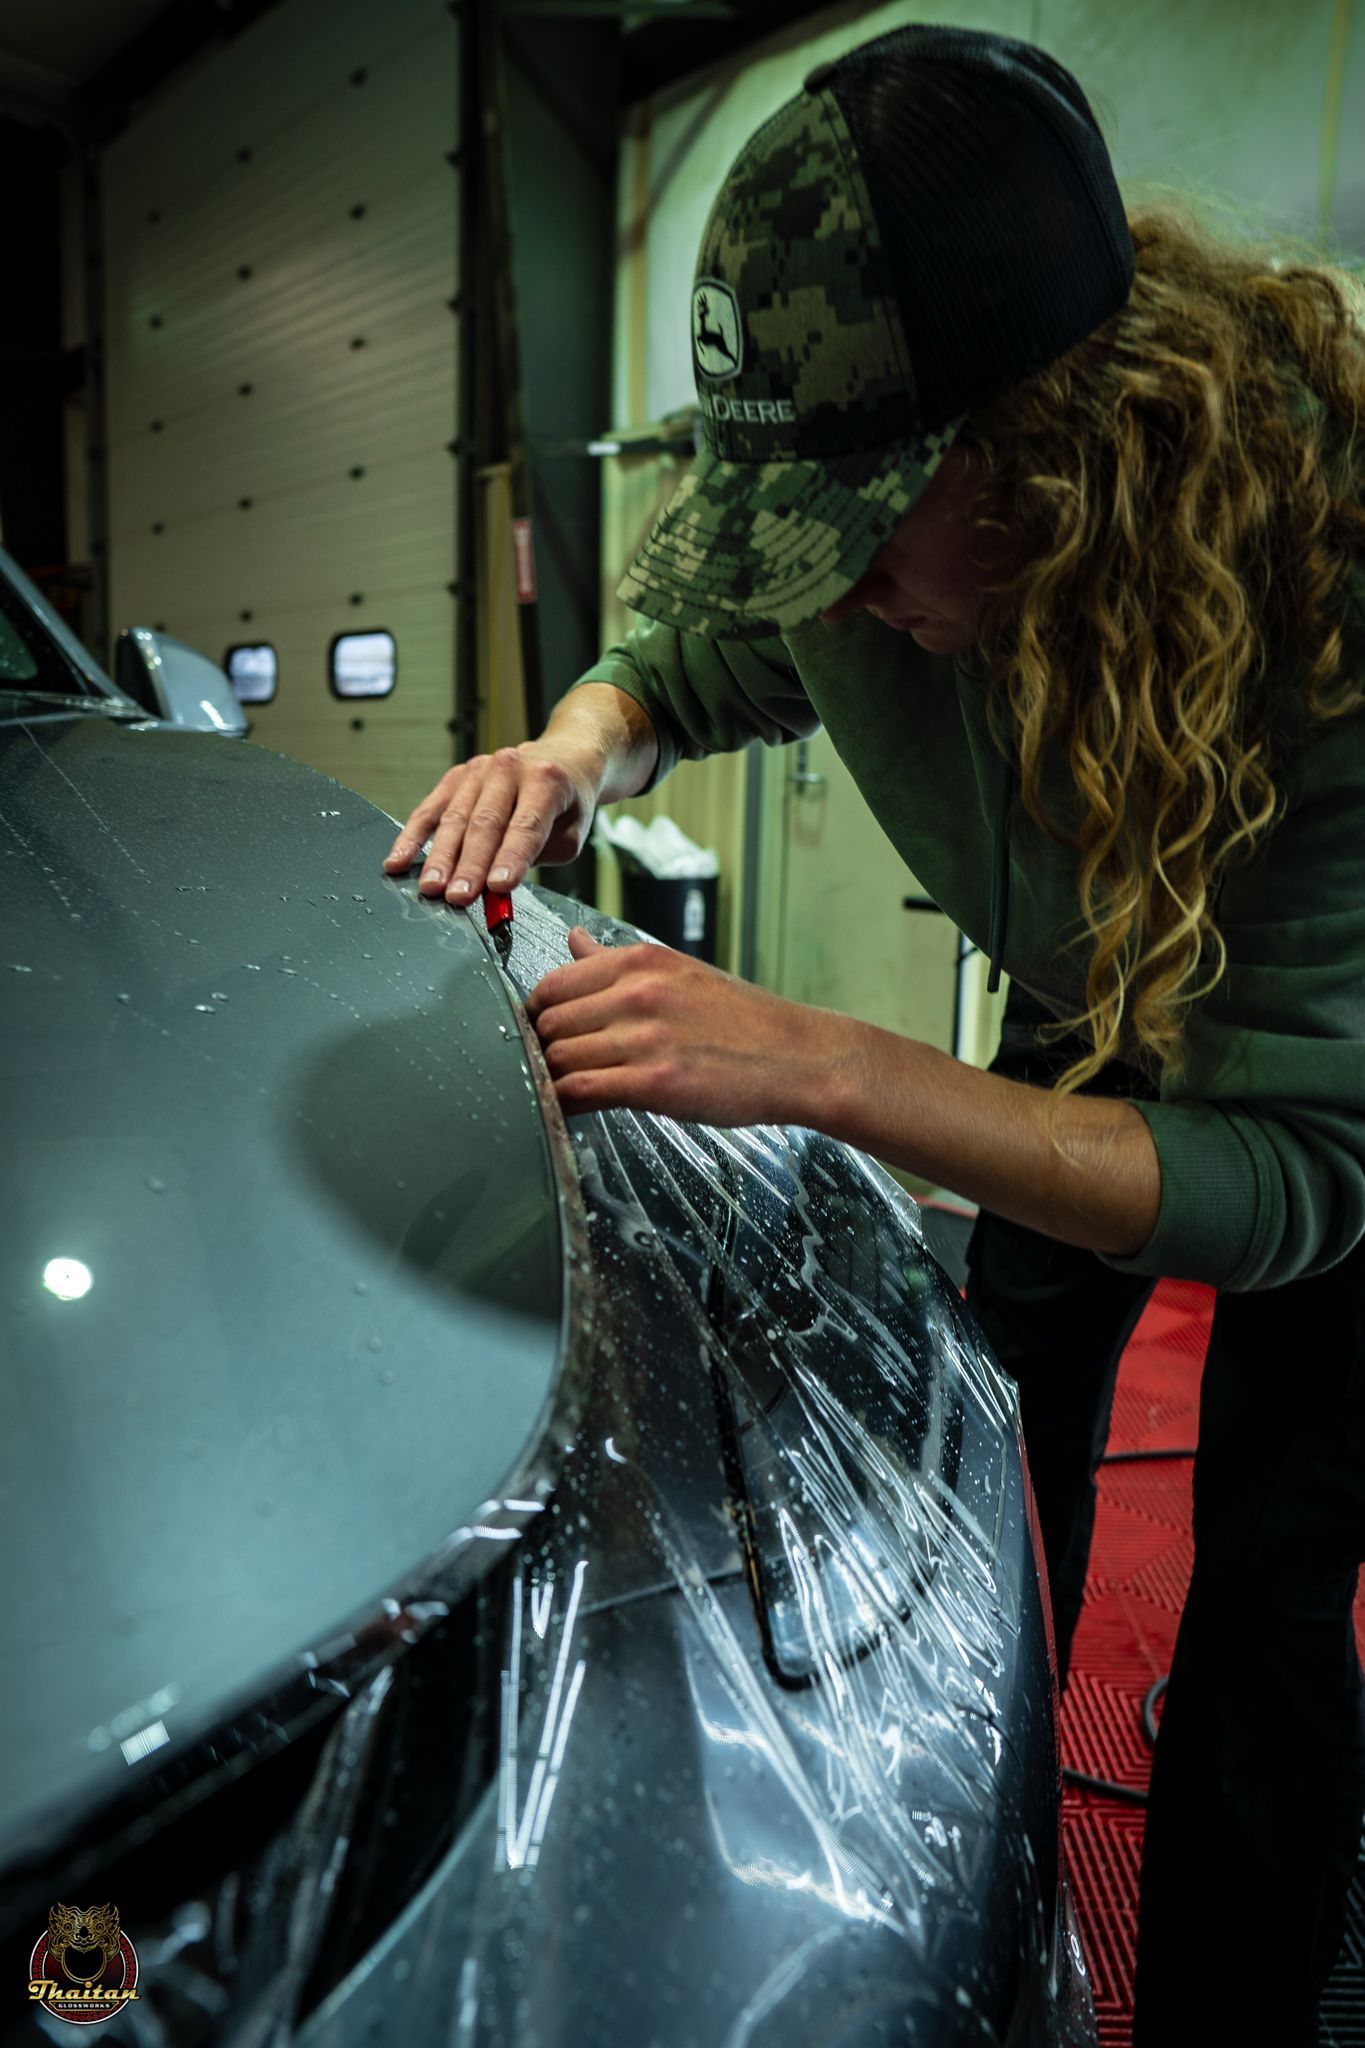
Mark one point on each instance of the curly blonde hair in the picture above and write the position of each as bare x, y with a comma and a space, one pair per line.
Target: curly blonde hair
1187, 517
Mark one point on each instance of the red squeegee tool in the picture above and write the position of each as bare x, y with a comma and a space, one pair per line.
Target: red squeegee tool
497, 916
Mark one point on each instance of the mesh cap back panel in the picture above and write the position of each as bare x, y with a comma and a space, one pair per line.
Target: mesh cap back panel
995, 203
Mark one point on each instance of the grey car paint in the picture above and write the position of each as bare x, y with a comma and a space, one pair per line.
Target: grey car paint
283, 1123
733, 1725
853, 1846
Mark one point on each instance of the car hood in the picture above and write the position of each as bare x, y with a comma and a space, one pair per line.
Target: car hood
274, 1114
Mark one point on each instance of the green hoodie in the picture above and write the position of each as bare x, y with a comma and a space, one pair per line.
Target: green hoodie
1261, 1139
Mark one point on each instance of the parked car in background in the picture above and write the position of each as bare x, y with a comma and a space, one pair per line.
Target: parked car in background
471, 1579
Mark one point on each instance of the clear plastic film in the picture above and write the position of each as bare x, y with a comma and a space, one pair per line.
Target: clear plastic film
745, 1732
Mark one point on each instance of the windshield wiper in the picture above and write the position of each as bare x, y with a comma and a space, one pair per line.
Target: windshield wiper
66, 707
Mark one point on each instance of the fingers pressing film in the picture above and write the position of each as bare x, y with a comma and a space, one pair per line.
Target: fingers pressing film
490, 819
644, 1027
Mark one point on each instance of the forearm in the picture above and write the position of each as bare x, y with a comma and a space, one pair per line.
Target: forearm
987, 1139
608, 727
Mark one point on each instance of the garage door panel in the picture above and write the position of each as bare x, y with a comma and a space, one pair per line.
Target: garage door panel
240, 408
291, 331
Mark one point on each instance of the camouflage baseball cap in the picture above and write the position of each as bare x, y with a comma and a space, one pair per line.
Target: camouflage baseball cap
932, 216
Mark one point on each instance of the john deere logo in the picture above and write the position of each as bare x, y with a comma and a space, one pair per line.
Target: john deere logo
717, 341
84, 1968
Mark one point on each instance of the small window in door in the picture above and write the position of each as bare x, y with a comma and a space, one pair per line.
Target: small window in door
253, 672
363, 664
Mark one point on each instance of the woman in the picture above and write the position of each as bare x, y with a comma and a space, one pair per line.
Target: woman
1052, 519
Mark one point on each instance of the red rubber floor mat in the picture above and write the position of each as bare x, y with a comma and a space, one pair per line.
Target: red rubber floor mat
1139, 1572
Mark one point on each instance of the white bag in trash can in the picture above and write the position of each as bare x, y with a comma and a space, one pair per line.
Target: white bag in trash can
662, 848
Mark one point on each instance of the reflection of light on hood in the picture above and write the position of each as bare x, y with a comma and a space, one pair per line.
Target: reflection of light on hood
68, 1279
848, 1882
521, 1830
854, 1896
770, 1875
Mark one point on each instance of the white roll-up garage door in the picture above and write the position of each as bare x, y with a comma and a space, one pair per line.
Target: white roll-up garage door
281, 243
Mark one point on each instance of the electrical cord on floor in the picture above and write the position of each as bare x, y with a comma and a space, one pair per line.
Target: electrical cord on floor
1149, 1709
1132, 1793
1134, 1457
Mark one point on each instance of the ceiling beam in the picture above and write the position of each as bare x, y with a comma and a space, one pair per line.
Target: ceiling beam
106, 103
680, 41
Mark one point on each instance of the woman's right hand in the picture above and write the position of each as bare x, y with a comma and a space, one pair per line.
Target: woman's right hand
491, 818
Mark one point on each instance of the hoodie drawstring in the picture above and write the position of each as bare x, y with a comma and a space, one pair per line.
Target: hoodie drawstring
1000, 879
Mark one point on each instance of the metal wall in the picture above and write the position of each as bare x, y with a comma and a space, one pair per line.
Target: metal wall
561, 82
281, 240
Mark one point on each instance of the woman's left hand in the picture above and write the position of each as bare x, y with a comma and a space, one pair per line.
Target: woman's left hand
644, 1027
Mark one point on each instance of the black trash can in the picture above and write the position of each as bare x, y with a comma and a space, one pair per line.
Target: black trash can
681, 913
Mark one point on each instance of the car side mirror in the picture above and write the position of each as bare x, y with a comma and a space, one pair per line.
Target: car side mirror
175, 682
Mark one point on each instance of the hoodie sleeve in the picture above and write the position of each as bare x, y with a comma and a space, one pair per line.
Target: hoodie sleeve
1261, 1138
707, 696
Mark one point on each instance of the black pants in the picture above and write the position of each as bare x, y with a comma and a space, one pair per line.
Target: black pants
1258, 1782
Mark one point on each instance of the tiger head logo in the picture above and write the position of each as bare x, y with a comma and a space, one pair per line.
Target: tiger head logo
84, 1940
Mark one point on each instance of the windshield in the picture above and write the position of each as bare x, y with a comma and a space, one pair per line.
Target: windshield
31, 660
